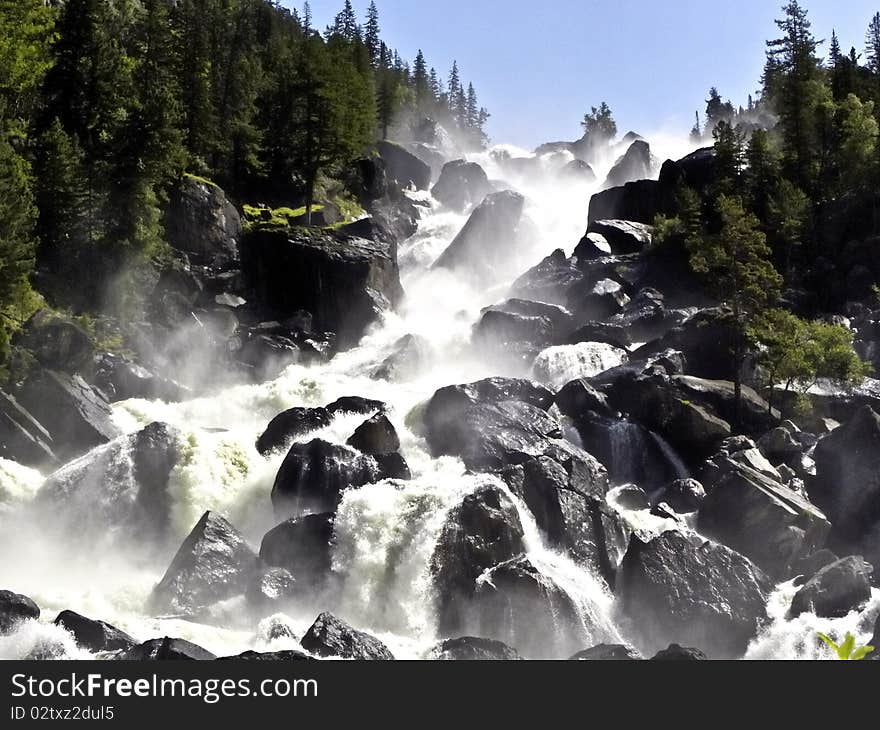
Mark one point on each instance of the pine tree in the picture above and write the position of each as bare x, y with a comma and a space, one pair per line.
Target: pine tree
454, 91
834, 54
307, 17
599, 124
372, 33
345, 24
421, 82
473, 108
697, 129
435, 84
873, 44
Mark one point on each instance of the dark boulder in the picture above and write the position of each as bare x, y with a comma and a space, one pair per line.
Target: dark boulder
57, 342
302, 546
549, 281
640, 201
701, 594
287, 655
471, 648
77, 417
836, 590
15, 608
404, 167
696, 170
344, 282
578, 398
483, 247
374, 436
611, 334
201, 221
676, 653
313, 477
684, 495
213, 564
167, 649
592, 246
393, 466
119, 378
483, 531
762, 519
290, 425
271, 588
95, 636
607, 652
330, 637
355, 404
461, 185
22, 437
624, 236
637, 163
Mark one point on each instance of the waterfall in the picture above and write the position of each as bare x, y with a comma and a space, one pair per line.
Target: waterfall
557, 366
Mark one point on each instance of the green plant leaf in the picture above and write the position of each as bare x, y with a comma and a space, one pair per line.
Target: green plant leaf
846, 648
831, 644
861, 653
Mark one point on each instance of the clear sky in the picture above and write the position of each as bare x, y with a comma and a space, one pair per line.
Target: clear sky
539, 65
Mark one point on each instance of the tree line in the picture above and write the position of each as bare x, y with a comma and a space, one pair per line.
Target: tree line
105, 104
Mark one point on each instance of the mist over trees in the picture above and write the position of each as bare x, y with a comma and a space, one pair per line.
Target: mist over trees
104, 105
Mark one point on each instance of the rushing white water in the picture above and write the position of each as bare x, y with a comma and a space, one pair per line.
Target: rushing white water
385, 533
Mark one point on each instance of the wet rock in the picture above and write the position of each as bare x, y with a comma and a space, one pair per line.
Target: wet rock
640, 201
592, 246
57, 342
15, 608
607, 652
676, 653
95, 636
313, 476
77, 417
345, 282
483, 531
684, 495
290, 425
374, 436
805, 568
762, 519
288, 655
779, 444
393, 466
636, 164
404, 167
355, 404
22, 437
611, 334
461, 185
213, 564
302, 546
549, 281
330, 637
201, 221
121, 379
270, 587
578, 398
167, 649
471, 648
836, 590
624, 236
482, 248
702, 594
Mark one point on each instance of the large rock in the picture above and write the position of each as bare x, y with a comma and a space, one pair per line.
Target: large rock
77, 417
57, 342
330, 637
167, 649
483, 531
549, 281
286, 655
290, 425
344, 282
636, 164
759, 517
404, 167
302, 546
119, 378
15, 608
123, 485
836, 590
483, 247
699, 594
472, 648
677, 653
461, 185
95, 636
375, 436
624, 236
606, 653
640, 201
213, 564
847, 482
22, 437
201, 221
313, 476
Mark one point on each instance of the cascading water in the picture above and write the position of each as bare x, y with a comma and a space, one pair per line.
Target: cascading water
385, 533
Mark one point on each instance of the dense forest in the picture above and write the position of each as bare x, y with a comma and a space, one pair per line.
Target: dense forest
105, 104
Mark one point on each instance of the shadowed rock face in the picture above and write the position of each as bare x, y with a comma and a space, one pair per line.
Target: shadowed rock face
471, 648
202, 221
403, 167
167, 649
331, 637
636, 164
302, 546
93, 635
704, 594
461, 185
15, 608
836, 589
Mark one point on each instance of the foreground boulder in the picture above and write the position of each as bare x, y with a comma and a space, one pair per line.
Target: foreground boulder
344, 281
291, 424
403, 167
471, 648
375, 436
461, 185
330, 637
213, 564
759, 517
302, 546
699, 594
676, 653
15, 608
606, 653
482, 248
288, 655
313, 477
22, 437
201, 221
836, 590
167, 649
483, 531
96, 636
77, 417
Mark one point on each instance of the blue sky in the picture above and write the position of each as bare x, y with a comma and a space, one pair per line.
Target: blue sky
538, 66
